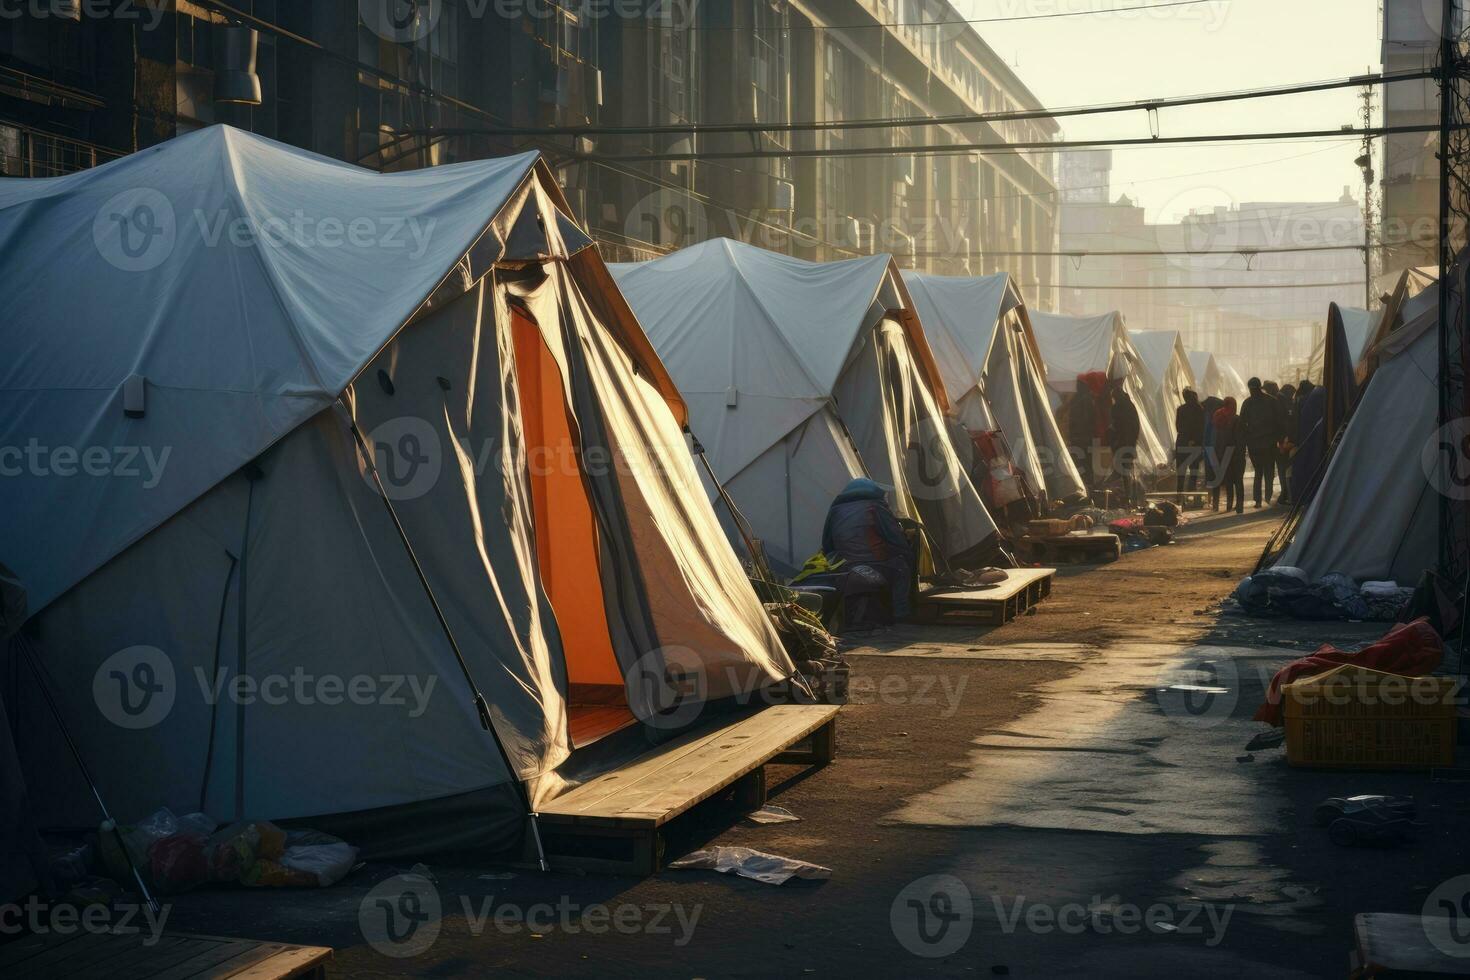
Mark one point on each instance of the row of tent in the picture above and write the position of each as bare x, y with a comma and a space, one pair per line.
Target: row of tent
470, 465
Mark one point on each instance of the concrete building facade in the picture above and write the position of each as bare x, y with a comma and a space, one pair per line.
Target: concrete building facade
398, 84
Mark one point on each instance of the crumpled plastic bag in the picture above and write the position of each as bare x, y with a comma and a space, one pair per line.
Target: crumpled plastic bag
756, 865
300, 859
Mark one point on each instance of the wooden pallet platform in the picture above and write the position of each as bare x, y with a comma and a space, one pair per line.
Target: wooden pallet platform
1022, 589
1193, 499
1079, 547
612, 823
1391, 945
173, 956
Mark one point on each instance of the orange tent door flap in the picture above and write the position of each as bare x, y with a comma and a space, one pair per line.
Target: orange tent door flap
566, 530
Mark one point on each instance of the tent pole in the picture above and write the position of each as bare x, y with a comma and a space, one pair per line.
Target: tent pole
76, 753
482, 708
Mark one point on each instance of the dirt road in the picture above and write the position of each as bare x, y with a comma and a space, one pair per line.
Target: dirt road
1008, 802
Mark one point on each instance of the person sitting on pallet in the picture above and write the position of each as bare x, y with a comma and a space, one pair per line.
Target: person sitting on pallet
862, 530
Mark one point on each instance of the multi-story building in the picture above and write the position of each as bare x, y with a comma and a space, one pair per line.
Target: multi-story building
1411, 31
1172, 285
398, 84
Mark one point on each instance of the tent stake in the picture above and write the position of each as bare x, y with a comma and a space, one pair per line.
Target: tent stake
482, 708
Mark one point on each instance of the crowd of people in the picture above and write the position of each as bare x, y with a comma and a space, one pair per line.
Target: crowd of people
1218, 440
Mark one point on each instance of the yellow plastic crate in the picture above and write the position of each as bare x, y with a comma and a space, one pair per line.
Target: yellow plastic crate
1354, 718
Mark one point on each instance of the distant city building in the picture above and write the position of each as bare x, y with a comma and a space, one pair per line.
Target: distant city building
1264, 331
394, 85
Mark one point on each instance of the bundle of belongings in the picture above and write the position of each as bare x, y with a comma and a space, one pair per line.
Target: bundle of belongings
176, 853
1288, 591
804, 633
1155, 527
1409, 650
1001, 483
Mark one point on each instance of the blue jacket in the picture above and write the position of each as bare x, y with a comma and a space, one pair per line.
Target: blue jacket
862, 528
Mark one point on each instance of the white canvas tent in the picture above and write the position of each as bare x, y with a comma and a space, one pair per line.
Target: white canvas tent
1375, 516
799, 377
262, 547
1167, 362
980, 332
1207, 379
1075, 345
1231, 383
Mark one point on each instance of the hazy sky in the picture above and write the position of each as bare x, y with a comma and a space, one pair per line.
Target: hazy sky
1220, 45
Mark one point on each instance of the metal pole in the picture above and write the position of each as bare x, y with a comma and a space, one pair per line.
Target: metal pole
1446, 118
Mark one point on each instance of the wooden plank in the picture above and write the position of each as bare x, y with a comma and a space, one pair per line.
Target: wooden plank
684, 756
1018, 580
989, 607
669, 780
131, 958
214, 958
291, 962
1401, 945
654, 796
592, 723
22, 950
76, 956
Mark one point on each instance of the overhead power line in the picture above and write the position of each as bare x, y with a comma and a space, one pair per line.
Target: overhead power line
959, 21
991, 149
1258, 286
905, 122
1244, 250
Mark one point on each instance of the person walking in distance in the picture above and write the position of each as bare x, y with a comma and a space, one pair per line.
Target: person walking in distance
1214, 474
1260, 424
1286, 448
1125, 430
1189, 445
1230, 453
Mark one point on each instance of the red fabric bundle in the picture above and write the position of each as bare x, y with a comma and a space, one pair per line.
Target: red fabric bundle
1409, 649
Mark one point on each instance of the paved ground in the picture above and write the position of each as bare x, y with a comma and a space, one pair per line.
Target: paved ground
1009, 802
